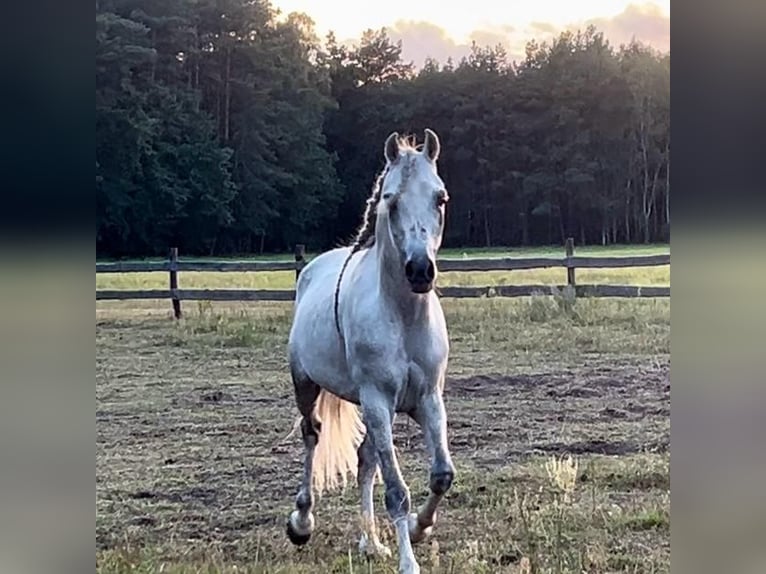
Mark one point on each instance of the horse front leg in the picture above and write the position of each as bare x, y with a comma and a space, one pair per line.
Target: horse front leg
432, 418
378, 412
369, 543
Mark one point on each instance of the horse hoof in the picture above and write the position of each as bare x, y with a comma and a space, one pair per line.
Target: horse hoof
372, 548
295, 538
298, 538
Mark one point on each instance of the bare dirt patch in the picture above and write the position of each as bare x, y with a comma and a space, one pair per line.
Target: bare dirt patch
610, 410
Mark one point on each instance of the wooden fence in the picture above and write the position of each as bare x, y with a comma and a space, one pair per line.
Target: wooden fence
569, 261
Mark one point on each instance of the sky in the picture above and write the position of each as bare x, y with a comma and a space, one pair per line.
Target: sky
443, 28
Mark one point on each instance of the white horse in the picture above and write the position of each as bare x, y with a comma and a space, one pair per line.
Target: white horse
369, 331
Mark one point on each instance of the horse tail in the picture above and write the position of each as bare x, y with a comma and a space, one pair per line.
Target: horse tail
341, 433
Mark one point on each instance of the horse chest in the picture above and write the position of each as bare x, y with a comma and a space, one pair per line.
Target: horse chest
426, 360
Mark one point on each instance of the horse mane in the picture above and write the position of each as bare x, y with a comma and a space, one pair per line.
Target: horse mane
365, 235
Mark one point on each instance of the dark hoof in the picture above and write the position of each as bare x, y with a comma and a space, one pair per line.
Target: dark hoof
295, 538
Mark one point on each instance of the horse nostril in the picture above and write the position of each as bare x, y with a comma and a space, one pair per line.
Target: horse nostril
409, 270
430, 271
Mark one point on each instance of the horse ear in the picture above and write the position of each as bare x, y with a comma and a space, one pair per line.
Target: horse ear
391, 148
432, 146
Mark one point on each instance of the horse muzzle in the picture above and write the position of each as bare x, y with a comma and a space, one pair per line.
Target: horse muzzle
420, 272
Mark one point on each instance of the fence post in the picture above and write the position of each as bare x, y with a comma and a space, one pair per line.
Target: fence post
174, 281
300, 259
570, 266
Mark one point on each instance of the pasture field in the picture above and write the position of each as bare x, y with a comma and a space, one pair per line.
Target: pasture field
194, 473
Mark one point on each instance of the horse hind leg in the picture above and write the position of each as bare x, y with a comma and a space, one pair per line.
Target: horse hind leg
300, 525
369, 543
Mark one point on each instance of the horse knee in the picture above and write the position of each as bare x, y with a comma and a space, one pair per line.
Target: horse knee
397, 501
441, 481
367, 458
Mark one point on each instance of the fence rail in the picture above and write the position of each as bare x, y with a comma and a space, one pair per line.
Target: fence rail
571, 262
453, 291
444, 264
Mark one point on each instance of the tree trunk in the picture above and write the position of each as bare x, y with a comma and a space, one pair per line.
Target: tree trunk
550, 227
154, 59
562, 229
645, 208
227, 96
211, 252
649, 197
197, 58
646, 228
667, 183
218, 108
627, 212
524, 228
487, 235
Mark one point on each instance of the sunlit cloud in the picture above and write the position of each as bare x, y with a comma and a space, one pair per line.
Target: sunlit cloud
543, 28
421, 40
645, 22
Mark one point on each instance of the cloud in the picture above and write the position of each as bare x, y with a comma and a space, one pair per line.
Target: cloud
544, 28
421, 40
489, 37
644, 22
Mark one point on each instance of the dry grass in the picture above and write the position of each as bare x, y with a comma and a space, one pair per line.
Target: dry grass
644, 276
193, 474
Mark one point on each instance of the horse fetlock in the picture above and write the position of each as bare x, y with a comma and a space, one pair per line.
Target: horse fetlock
299, 527
441, 482
304, 502
371, 547
419, 528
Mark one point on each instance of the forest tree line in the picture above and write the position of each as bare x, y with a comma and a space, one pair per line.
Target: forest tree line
223, 127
